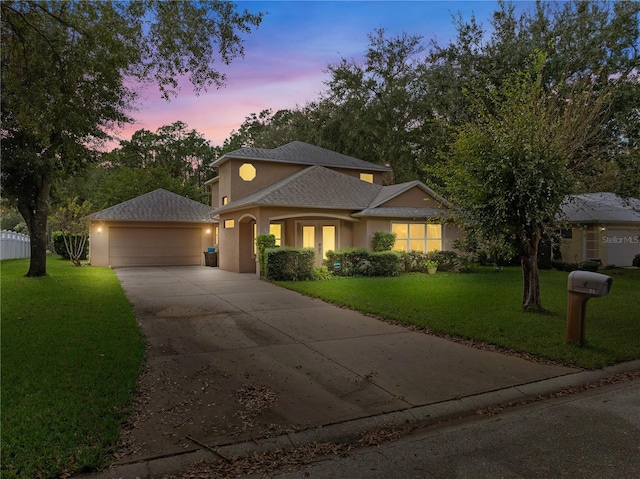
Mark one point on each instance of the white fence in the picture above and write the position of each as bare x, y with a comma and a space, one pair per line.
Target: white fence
14, 245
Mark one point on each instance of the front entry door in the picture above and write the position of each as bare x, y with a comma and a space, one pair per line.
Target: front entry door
320, 236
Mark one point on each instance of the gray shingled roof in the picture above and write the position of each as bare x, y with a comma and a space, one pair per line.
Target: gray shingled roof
320, 187
600, 208
158, 206
304, 154
402, 212
392, 191
315, 187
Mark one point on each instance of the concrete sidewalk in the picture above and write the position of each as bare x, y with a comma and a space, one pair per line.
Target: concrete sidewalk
236, 364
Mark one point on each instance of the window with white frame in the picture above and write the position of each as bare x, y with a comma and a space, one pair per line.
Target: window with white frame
423, 237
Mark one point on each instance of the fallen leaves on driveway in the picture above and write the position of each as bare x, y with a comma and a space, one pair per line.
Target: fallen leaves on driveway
255, 399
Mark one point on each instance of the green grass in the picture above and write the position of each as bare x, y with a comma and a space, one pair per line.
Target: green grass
71, 353
485, 306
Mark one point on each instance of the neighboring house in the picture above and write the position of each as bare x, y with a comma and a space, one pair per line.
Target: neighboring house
309, 196
159, 228
602, 227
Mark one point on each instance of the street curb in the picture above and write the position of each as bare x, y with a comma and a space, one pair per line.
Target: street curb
349, 431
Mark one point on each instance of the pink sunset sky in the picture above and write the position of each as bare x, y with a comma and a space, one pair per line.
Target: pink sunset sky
287, 56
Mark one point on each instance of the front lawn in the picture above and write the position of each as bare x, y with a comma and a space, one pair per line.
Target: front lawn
71, 353
485, 306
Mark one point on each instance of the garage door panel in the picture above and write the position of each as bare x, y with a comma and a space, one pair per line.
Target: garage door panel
622, 245
154, 246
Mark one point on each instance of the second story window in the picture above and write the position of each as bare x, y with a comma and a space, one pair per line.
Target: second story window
225, 200
368, 177
247, 172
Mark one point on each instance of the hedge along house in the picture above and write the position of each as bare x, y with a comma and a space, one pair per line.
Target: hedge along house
311, 197
600, 227
159, 228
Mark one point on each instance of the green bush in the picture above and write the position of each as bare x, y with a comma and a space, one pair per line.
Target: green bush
592, 266
448, 261
383, 241
61, 249
413, 262
289, 264
322, 274
361, 262
263, 242
565, 266
385, 263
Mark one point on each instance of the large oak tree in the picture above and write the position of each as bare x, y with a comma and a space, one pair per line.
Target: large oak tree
69, 75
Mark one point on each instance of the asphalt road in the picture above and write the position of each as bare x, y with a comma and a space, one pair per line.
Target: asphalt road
594, 434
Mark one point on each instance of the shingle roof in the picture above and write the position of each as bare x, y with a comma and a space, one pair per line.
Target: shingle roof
402, 212
302, 153
158, 206
392, 191
320, 187
315, 187
600, 208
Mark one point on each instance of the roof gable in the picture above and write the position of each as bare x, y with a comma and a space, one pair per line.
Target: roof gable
158, 206
302, 153
315, 187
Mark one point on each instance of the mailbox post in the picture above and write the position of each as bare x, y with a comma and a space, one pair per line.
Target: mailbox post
581, 286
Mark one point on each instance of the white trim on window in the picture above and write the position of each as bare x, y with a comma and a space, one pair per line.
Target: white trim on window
417, 236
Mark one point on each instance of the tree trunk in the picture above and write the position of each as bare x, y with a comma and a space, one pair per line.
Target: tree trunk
35, 216
530, 275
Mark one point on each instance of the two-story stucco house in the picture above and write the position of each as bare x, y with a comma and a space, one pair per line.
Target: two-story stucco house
305, 195
311, 197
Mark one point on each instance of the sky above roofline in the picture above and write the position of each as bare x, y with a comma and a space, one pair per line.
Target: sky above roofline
287, 56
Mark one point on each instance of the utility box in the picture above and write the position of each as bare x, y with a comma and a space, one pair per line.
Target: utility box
581, 286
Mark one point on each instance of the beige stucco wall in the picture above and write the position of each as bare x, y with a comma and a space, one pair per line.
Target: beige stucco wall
99, 237
267, 173
378, 176
364, 231
416, 198
215, 194
594, 242
235, 242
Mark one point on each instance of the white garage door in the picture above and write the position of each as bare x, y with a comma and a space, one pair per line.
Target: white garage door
154, 246
623, 245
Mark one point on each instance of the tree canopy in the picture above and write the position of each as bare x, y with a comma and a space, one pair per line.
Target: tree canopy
400, 105
510, 164
69, 75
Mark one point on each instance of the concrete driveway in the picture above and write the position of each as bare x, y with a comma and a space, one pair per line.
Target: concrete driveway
233, 358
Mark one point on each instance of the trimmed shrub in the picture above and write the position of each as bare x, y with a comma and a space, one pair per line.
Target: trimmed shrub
289, 264
448, 261
263, 242
361, 262
383, 241
385, 263
346, 262
60, 248
413, 262
592, 266
564, 266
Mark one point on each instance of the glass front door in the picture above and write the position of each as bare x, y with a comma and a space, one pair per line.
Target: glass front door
320, 236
